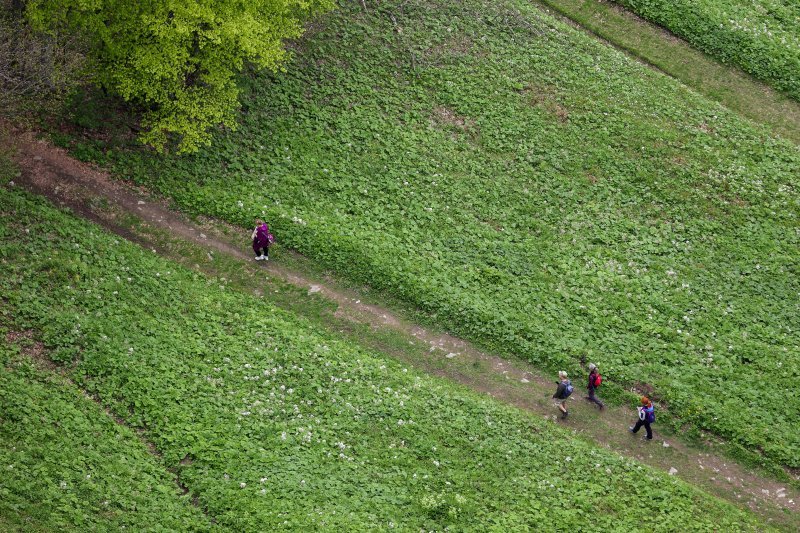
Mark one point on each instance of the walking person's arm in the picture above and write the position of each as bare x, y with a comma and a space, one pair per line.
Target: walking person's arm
560, 390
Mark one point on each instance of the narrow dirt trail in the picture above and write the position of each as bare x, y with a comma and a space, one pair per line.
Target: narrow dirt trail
92, 194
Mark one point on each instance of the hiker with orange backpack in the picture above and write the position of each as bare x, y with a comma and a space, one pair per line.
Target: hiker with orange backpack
647, 415
595, 379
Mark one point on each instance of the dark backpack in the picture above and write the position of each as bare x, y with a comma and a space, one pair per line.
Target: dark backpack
568, 388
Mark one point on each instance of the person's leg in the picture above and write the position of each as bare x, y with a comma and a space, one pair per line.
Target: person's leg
256, 249
649, 435
599, 403
563, 407
594, 399
266, 252
638, 425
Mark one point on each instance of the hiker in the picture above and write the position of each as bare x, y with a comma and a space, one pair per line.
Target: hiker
262, 239
562, 393
595, 379
647, 415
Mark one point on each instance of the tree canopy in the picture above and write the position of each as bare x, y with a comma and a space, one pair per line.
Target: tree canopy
178, 58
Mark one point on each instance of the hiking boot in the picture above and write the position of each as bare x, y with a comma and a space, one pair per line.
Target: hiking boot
648, 439
259, 258
565, 415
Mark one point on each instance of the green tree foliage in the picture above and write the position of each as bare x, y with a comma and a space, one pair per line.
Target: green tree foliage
179, 58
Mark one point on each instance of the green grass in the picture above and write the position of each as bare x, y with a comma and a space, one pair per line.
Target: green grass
535, 190
272, 423
728, 85
760, 36
67, 464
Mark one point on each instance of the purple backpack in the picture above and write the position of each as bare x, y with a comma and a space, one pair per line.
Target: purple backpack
263, 236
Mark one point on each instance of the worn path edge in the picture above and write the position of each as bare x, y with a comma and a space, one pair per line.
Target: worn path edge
133, 214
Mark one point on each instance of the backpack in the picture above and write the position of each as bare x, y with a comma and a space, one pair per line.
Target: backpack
597, 380
651, 415
568, 390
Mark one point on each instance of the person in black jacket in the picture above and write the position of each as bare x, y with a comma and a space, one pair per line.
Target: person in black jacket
562, 393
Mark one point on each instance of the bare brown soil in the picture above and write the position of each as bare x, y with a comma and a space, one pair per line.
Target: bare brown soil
30, 347
51, 172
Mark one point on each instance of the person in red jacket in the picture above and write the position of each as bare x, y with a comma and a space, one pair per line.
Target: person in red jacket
647, 415
594, 382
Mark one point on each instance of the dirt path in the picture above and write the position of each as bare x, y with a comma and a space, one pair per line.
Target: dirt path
125, 210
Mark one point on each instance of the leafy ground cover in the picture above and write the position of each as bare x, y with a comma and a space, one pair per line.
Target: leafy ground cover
535, 190
760, 36
727, 84
271, 423
67, 464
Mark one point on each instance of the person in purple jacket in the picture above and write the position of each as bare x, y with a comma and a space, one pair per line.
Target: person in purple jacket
262, 239
647, 415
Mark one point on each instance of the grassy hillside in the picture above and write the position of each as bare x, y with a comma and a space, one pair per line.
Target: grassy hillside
762, 37
533, 189
270, 423
68, 466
